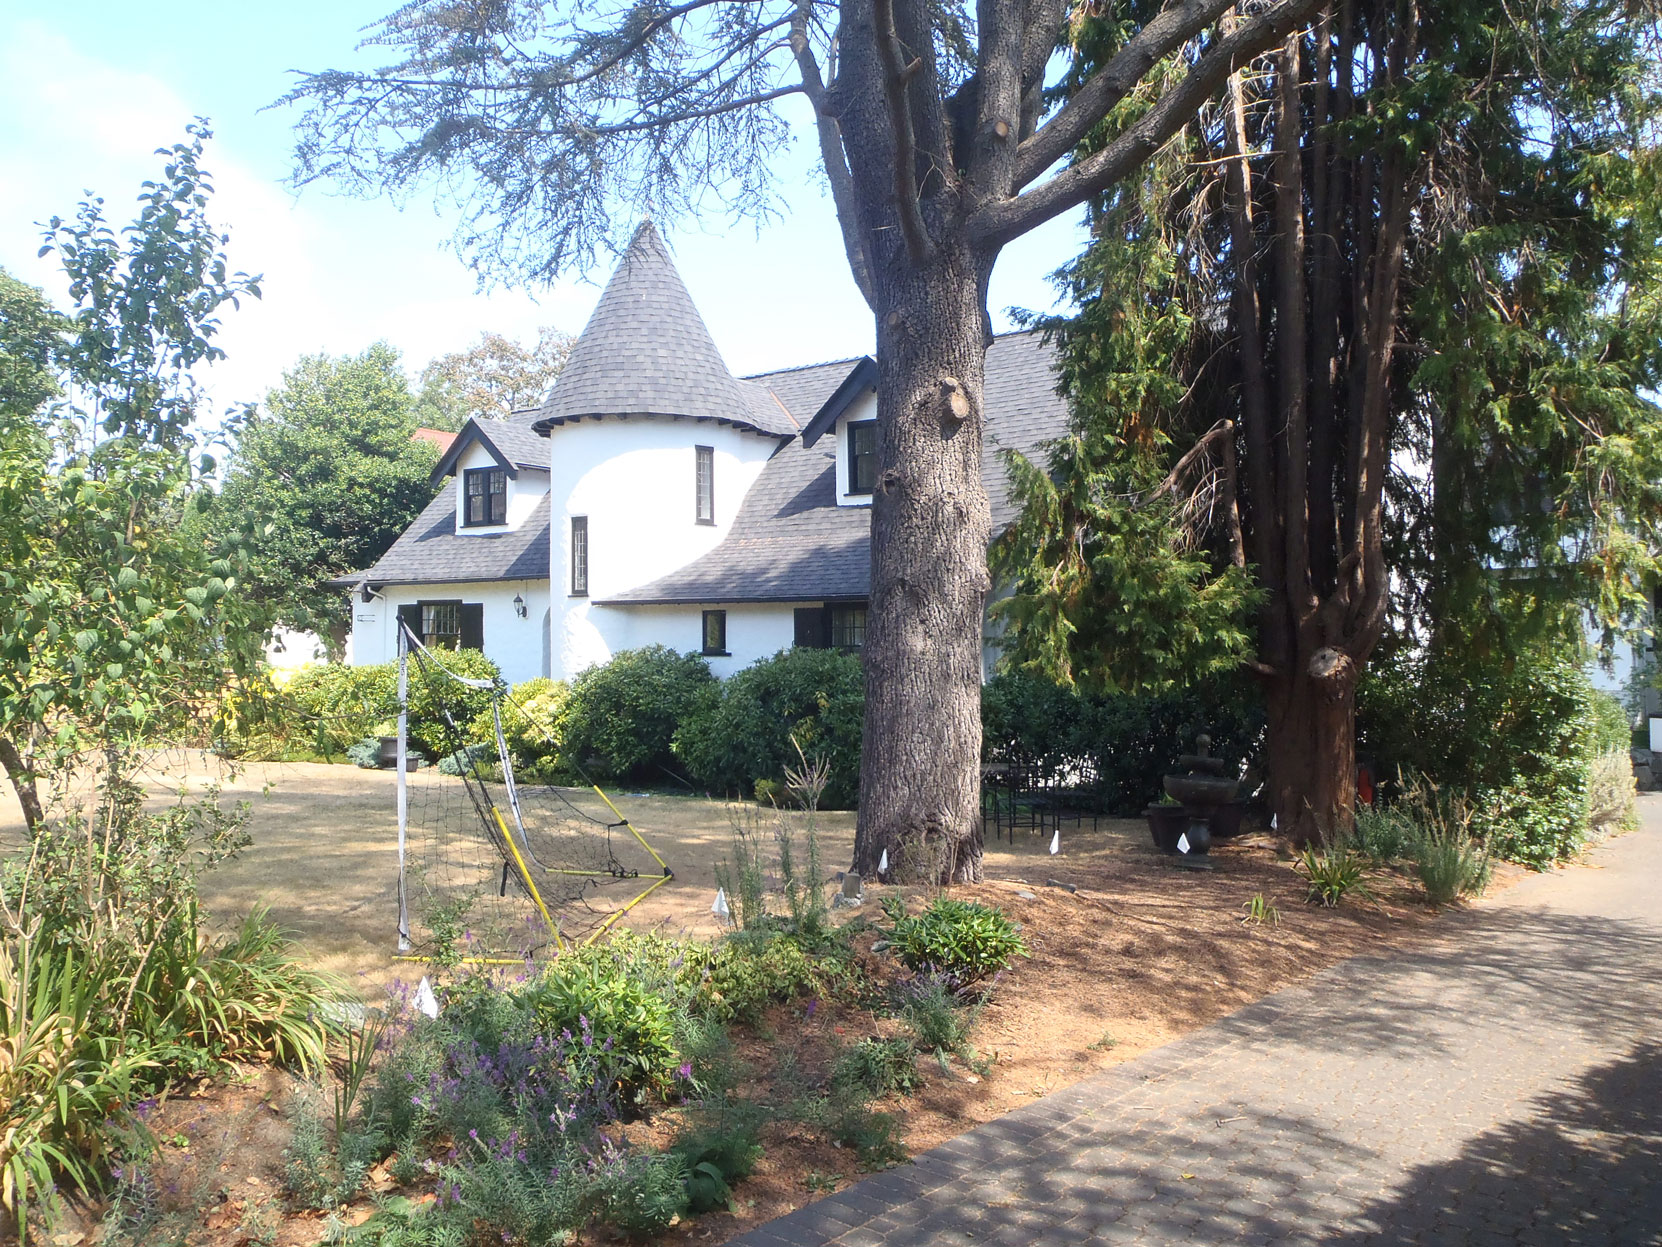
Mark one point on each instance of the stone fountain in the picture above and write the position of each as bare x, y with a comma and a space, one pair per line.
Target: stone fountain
1203, 786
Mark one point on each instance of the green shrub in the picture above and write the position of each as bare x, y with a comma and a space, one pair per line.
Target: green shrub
433, 695
641, 1193
738, 738
343, 703
750, 970
877, 1067
470, 760
366, 753
578, 997
1385, 833
620, 719
936, 1016
531, 717
719, 1143
1450, 864
1127, 741
1611, 790
1612, 730
1332, 873
1517, 737
962, 940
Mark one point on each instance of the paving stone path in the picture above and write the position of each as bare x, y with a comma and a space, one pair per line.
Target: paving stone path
1503, 1085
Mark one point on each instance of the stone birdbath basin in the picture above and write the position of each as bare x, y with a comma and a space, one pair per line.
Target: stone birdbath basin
1201, 787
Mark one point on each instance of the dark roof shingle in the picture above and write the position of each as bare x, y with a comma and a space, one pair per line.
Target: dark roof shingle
647, 351
791, 542
432, 552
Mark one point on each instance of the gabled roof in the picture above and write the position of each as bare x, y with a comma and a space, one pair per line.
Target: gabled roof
431, 552
863, 377
646, 352
791, 542
510, 442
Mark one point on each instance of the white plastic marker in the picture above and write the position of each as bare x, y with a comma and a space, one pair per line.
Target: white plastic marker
425, 1000
1272, 822
1056, 841
719, 907
1183, 843
883, 864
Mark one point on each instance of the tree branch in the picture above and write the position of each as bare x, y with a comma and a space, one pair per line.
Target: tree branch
998, 223
831, 153
1163, 34
905, 154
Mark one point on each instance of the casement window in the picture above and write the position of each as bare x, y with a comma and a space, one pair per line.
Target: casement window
704, 484
831, 627
848, 627
485, 497
715, 633
862, 456
579, 556
446, 625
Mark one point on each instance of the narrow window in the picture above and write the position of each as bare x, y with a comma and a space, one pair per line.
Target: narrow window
704, 484
848, 627
862, 456
486, 491
580, 556
715, 632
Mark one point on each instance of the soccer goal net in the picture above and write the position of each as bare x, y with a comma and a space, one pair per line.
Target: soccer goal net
490, 866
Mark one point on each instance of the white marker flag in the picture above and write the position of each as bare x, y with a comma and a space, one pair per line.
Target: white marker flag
719, 907
883, 864
1056, 841
425, 1000
1183, 843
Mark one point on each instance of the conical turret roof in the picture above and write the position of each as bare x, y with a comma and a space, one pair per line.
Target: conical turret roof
646, 351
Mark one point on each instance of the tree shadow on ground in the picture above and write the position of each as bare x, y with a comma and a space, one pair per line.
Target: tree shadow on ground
1584, 1167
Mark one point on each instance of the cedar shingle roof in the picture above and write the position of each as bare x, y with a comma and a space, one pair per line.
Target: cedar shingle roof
791, 542
646, 351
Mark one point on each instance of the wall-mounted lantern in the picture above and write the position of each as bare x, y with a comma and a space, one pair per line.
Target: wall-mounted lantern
519, 606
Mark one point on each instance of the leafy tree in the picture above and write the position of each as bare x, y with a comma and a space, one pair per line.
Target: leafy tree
1422, 334
491, 379
939, 144
115, 622
329, 474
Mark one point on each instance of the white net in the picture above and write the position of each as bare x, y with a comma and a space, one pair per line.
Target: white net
493, 867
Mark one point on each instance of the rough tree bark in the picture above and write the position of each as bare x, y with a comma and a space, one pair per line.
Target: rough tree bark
23, 784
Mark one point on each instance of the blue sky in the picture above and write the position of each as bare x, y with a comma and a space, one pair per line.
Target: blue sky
89, 91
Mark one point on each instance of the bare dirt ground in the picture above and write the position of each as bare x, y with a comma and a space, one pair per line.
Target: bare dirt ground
1129, 951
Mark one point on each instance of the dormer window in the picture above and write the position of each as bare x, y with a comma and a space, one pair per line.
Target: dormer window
704, 484
486, 497
862, 456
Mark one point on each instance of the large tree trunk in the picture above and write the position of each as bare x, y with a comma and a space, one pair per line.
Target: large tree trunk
1311, 747
920, 765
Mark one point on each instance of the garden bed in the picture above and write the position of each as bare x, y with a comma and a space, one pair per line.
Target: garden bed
1127, 952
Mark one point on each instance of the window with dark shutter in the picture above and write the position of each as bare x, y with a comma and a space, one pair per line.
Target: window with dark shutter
579, 556
715, 632
486, 497
848, 627
811, 630
862, 456
471, 620
704, 484
441, 625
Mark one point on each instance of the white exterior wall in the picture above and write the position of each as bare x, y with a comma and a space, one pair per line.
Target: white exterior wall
634, 480
516, 645
754, 630
524, 492
862, 408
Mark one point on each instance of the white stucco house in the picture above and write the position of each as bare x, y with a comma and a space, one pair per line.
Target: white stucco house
673, 502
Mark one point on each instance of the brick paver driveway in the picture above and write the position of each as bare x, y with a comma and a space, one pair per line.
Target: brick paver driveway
1501, 1086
